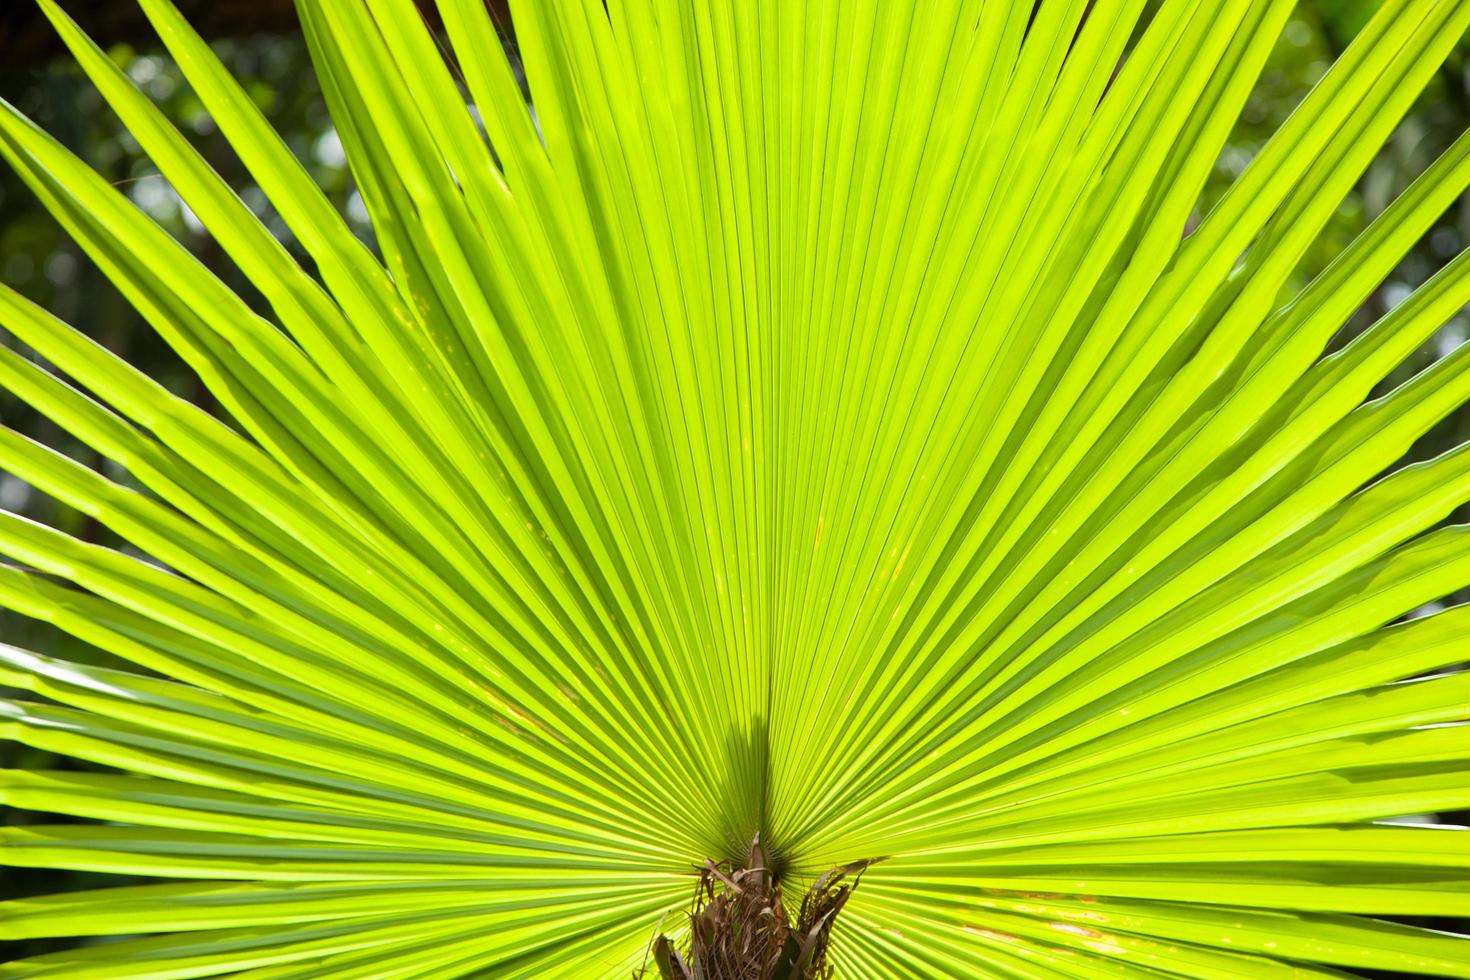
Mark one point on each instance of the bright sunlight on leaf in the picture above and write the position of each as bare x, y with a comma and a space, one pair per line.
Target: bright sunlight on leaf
798, 463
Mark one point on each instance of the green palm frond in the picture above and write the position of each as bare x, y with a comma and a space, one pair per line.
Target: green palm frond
826, 423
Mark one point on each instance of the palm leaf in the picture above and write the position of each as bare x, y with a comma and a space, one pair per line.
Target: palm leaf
831, 424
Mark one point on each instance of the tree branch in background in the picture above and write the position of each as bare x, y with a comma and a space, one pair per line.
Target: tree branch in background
29, 40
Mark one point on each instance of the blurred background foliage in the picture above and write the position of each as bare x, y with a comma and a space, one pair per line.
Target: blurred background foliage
259, 47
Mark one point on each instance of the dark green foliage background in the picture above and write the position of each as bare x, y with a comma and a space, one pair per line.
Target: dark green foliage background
37, 259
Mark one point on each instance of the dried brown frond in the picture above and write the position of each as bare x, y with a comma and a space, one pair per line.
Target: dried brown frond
739, 929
